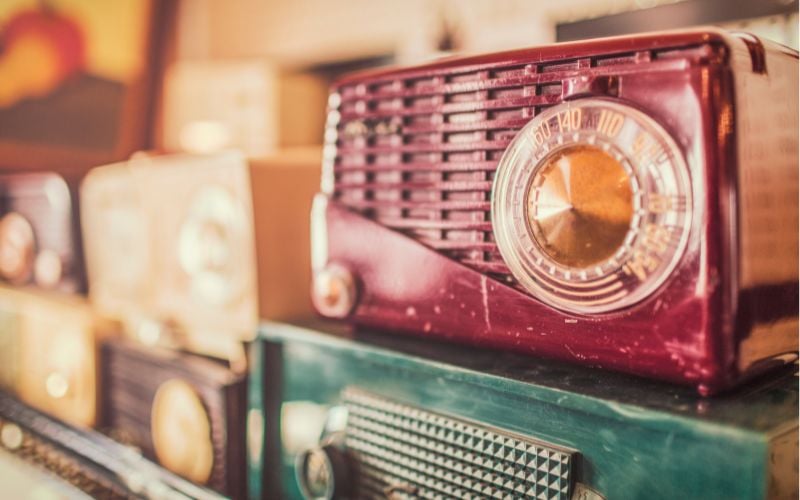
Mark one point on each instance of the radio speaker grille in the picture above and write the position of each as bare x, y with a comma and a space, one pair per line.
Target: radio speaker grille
416, 151
405, 451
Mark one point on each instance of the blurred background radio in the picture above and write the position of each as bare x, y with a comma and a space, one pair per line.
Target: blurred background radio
40, 240
188, 221
50, 353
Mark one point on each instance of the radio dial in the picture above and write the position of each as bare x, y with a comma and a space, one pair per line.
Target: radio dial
209, 249
181, 430
591, 206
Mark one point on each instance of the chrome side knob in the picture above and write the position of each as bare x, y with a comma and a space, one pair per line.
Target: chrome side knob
333, 291
323, 473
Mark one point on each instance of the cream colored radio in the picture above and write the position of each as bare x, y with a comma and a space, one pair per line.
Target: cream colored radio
170, 249
49, 353
170, 244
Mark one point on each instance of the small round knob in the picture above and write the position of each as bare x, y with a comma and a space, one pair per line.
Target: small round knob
334, 291
11, 436
57, 384
323, 473
17, 248
48, 269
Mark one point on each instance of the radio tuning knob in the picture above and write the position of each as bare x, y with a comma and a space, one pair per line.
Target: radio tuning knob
333, 291
581, 207
323, 473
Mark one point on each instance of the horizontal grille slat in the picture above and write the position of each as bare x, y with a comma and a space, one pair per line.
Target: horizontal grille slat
417, 149
497, 124
487, 166
435, 224
436, 456
452, 206
459, 245
422, 148
421, 186
539, 77
455, 107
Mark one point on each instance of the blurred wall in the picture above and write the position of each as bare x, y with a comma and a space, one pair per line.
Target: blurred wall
306, 43
309, 32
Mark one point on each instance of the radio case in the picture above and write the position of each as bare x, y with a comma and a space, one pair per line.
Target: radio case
389, 416
252, 204
49, 353
410, 231
204, 390
82, 458
40, 243
187, 221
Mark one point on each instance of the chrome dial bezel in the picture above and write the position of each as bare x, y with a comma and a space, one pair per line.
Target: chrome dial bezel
662, 198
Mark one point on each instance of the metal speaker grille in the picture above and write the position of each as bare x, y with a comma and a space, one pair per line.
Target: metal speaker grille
417, 150
406, 452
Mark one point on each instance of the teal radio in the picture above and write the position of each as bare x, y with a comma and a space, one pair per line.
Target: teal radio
381, 417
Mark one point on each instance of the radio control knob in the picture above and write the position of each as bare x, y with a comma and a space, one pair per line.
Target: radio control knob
334, 291
11, 436
57, 384
323, 473
48, 269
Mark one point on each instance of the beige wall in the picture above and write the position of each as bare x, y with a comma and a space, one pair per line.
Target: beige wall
306, 32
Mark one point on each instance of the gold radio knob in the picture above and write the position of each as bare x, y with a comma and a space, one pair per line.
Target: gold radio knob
181, 431
580, 206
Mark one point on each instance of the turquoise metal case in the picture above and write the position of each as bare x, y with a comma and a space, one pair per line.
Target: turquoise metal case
412, 419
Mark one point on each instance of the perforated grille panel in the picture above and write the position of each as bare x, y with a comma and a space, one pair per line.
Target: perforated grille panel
410, 452
417, 150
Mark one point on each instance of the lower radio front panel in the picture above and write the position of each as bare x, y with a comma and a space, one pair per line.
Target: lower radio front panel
336, 418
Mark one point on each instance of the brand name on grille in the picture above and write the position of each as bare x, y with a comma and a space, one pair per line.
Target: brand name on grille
371, 128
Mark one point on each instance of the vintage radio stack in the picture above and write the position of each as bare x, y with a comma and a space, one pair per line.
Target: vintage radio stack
49, 332
170, 245
627, 203
610, 202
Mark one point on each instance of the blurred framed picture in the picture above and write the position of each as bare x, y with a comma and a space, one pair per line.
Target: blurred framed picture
77, 80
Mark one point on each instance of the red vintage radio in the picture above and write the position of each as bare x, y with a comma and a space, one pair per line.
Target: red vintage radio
628, 203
